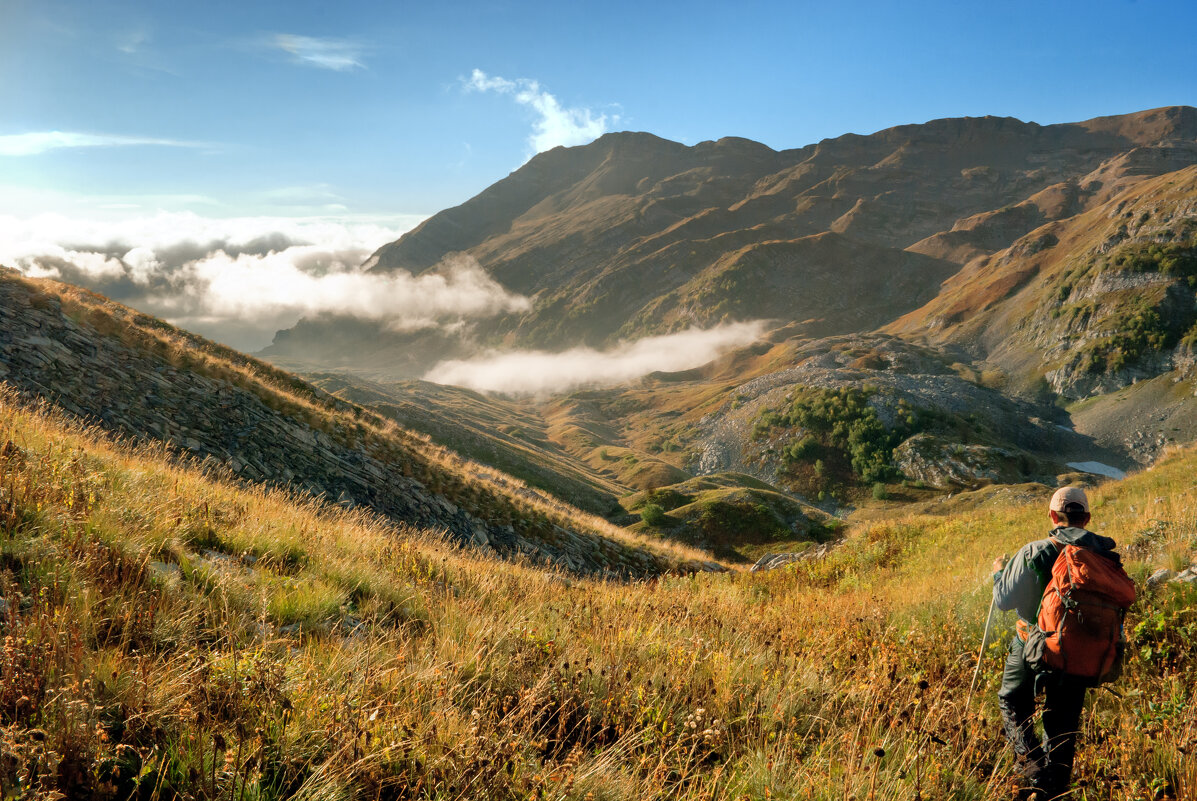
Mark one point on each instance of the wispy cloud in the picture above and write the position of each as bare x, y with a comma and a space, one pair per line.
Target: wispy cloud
37, 142
309, 195
531, 372
131, 42
555, 125
340, 55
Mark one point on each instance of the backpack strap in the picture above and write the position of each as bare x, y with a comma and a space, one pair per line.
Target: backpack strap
1044, 579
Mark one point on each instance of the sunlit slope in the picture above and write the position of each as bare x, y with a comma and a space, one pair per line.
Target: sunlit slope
1087, 306
169, 633
633, 235
588, 447
140, 377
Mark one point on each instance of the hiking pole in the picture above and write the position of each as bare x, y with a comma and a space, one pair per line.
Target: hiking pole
980, 654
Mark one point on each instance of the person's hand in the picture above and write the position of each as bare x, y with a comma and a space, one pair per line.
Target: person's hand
999, 564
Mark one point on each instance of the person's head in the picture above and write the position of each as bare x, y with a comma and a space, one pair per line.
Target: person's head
1069, 507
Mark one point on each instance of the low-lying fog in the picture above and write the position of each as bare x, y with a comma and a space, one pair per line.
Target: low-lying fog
240, 280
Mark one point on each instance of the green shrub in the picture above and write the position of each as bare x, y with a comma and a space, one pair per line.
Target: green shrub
653, 515
720, 519
667, 498
880, 493
1135, 333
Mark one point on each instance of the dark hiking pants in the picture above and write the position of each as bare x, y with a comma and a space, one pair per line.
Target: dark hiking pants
1048, 764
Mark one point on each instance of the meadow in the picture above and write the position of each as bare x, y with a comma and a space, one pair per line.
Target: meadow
170, 632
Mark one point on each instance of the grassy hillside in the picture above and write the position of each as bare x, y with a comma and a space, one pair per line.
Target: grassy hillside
505, 434
140, 377
171, 634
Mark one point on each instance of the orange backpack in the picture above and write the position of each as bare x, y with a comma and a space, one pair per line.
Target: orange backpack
1079, 630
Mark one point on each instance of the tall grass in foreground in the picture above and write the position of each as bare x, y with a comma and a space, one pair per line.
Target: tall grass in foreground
170, 634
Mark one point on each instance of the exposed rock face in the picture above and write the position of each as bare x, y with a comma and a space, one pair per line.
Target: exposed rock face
773, 561
44, 353
1094, 312
949, 465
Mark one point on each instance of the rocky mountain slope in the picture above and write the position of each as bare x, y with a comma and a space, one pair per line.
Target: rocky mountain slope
1081, 308
633, 234
138, 377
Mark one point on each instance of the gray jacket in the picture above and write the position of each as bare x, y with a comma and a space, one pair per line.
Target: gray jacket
1021, 584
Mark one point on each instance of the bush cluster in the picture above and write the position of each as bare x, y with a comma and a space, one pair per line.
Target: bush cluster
1143, 329
653, 514
1176, 259
840, 426
1137, 332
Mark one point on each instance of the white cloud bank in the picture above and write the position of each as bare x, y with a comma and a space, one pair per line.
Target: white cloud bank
37, 142
339, 55
541, 373
554, 125
240, 280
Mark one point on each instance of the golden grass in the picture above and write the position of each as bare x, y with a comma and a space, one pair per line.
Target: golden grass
171, 634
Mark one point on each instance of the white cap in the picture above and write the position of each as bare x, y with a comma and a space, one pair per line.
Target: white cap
1069, 495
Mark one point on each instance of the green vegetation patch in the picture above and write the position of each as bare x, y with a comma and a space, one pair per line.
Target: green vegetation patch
838, 432
1178, 259
675, 495
734, 523
1135, 332
1135, 323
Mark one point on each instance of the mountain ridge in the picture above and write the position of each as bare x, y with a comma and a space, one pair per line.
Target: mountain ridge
599, 235
984, 239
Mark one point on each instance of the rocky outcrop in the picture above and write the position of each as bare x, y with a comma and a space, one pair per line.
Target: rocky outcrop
942, 464
773, 561
896, 372
130, 391
1166, 576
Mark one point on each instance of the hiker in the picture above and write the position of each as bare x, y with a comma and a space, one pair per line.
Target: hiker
1021, 584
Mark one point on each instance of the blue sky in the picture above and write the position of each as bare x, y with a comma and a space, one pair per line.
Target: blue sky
230, 165
293, 108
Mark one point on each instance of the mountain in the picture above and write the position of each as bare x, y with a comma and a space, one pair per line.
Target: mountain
1009, 300
633, 234
1097, 308
219, 579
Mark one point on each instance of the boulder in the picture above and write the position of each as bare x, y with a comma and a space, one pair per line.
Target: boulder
1188, 576
772, 561
1161, 576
